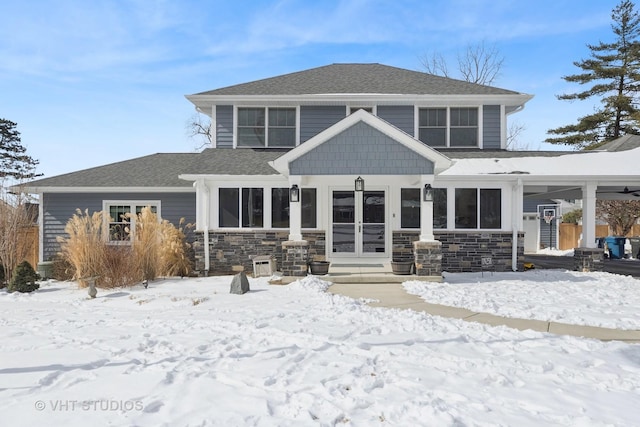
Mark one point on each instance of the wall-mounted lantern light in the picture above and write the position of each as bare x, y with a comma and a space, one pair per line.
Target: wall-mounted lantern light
359, 184
428, 193
294, 193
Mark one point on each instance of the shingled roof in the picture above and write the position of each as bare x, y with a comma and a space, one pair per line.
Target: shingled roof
358, 78
163, 169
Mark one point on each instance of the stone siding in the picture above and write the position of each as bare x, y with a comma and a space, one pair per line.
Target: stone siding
233, 251
463, 251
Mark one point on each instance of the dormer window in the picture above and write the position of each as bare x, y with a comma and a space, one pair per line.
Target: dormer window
266, 127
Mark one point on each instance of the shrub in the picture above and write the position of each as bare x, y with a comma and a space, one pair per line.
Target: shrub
118, 268
2, 281
24, 278
61, 268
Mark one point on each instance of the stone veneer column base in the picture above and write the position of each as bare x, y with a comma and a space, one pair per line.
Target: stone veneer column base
428, 258
295, 255
588, 259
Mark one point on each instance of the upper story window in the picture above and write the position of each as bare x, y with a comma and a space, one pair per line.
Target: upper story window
266, 127
448, 127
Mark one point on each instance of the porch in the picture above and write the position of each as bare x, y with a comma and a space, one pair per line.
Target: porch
378, 273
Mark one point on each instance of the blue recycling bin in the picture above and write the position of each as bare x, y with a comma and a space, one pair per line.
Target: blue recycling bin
616, 246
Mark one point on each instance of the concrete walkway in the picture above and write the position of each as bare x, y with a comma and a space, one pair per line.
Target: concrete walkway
393, 295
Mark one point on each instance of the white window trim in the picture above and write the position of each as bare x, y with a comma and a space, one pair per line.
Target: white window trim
447, 135
132, 208
266, 124
451, 207
267, 205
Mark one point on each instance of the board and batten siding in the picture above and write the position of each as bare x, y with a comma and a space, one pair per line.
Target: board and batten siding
224, 126
401, 116
316, 118
491, 127
59, 207
361, 149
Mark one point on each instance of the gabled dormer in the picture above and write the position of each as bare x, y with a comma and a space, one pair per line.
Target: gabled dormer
286, 111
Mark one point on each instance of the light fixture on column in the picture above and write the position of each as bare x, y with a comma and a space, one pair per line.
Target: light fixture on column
359, 184
294, 193
428, 193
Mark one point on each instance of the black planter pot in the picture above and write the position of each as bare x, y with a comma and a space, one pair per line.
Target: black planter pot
319, 267
401, 267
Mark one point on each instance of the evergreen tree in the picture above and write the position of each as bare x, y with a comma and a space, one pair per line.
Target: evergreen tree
24, 279
14, 162
613, 71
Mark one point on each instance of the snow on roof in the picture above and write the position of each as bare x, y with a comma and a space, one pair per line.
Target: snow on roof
612, 164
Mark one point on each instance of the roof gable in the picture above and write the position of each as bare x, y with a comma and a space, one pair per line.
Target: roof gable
361, 143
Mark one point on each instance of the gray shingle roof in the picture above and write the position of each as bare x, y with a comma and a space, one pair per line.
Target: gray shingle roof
163, 169
358, 78
625, 142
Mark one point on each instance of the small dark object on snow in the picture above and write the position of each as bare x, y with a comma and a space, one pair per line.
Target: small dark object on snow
145, 283
240, 284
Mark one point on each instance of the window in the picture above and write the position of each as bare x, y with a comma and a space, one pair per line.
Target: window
410, 199
120, 224
464, 127
488, 209
439, 208
433, 126
229, 208
309, 208
266, 127
410, 207
462, 130
249, 213
280, 207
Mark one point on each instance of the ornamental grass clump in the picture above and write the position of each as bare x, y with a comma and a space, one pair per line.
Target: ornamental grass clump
84, 248
159, 248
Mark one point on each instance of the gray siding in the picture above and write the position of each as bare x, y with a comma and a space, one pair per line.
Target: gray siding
58, 208
315, 119
401, 116
224, 126
358, 150
491, 126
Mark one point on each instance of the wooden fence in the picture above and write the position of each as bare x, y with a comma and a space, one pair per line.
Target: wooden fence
30, 237
570, 234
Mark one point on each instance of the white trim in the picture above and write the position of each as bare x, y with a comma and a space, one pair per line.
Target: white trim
481, 127
40, 190
41, 227
266, 109
132, 205
203, 102
503, 127
214, 127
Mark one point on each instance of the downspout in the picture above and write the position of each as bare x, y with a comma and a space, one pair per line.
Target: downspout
516, 201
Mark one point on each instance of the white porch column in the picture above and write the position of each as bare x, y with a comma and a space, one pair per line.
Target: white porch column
426, 213
589, 215
295, 213
517, 224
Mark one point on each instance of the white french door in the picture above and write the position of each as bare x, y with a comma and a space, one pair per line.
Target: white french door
358, 223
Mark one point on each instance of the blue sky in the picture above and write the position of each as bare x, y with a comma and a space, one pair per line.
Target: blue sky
95, 82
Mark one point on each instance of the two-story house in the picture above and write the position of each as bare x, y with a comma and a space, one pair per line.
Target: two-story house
353, 163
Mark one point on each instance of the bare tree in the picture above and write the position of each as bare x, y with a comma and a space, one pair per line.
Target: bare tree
478, 63
199, 128
513, 134
621, 215
434, 63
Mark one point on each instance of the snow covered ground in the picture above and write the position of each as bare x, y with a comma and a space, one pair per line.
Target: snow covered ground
593, 299
186, 352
